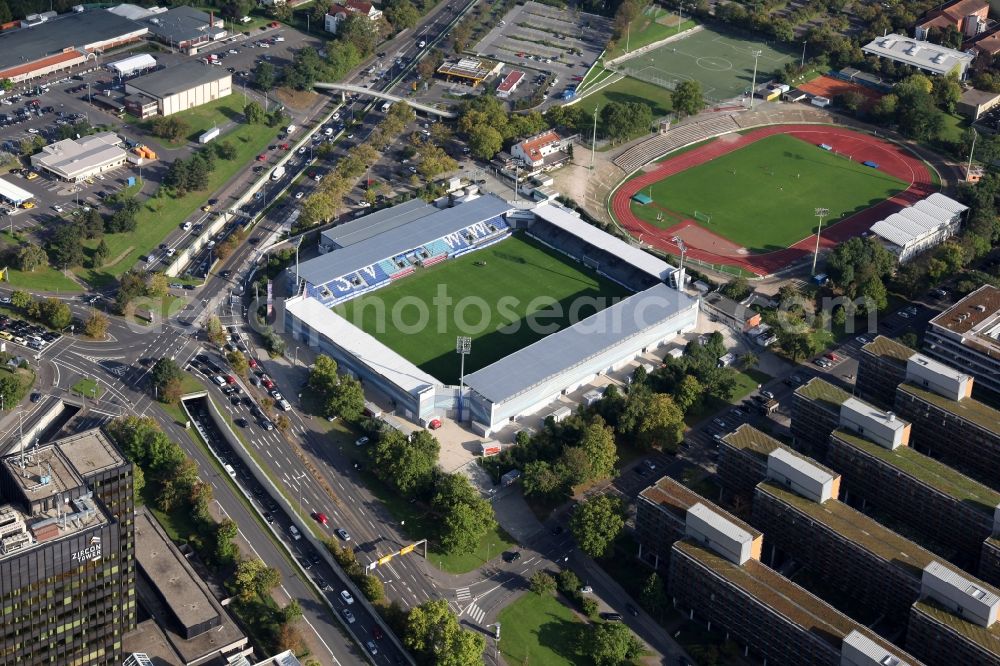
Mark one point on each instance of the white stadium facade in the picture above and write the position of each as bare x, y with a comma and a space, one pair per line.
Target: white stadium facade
373, 251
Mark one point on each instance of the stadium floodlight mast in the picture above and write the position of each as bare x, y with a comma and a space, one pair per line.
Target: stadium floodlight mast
682, 246
820, 213
753, 84
463, 345
593, 139
968, 170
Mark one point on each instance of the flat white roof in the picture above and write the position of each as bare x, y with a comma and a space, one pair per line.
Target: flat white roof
571, 223
13, 193
947, 203
361, 345
71, 158
136, 62
929, 57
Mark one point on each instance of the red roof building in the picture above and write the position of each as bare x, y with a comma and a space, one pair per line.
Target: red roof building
966, 16
534, 150
339, 12
510, 83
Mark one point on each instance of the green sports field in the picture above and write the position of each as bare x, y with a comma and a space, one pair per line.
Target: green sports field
763, 196
489, 290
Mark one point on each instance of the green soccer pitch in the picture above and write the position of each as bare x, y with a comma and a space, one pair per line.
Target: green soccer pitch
517, 270
763, 196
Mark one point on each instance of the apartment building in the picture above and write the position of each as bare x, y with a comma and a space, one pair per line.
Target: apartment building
668, 511
815, 414
881, 368
967, 336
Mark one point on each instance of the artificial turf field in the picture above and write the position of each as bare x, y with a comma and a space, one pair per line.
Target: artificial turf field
518, 268
763, 196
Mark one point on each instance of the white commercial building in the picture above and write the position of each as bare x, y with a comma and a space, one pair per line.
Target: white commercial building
927, 57
12, 194
77, 159
129, 66
181, 87
921, 226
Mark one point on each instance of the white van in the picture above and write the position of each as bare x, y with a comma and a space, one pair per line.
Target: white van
230, 471
291, 128
294, 531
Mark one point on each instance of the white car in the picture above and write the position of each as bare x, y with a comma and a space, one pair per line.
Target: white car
171, 252
586, 589
336, 115
233, 51
422, 44
57, 208
349, 616
299, 195
186, 226
364, 204
346, 596
317, 178
361, 441
302, 150
32, 130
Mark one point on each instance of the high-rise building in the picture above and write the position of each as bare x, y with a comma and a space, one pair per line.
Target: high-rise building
967, 336
668, 511
881, 368
955, 622
744, 459
951, 513
67, 566
815, 414
947, 422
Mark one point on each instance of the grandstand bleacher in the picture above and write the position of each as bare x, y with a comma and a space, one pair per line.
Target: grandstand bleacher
678, 137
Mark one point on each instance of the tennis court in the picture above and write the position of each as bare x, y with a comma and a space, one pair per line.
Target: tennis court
721, 61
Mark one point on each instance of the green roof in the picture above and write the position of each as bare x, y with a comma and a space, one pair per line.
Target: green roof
889, 348
858, 528
824, 392
753, 440
786, 598
927, 470
671, 495
969, 409
987, 637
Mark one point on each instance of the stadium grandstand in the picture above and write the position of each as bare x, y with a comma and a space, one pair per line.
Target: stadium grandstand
401, 248
919, 227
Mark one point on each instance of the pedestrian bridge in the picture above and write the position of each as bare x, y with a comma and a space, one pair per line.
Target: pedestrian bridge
348, 88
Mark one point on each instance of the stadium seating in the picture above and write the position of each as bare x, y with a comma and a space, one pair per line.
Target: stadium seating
678, 136
436, 248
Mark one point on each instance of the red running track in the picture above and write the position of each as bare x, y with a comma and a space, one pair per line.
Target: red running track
893, 159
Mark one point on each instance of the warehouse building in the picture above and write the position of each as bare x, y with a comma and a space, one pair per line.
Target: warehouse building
881, 368
77, 159
773, 617
61, 43
816, 409
668, 511
181, 87
967, 336
185, 28
948, 424
956, 620
952, 513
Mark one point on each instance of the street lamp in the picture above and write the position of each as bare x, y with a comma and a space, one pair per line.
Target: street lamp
753, 85
803, 64
820, 213
593, 139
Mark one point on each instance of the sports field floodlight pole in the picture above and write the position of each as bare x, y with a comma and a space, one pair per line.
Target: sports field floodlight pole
682, 246
968, 170
463, 345
820, 213
753, 85
593, 139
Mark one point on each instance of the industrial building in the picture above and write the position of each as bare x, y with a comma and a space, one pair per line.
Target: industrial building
952, 513
60, 43
668, 511
133, 65
67, 552
77, 159
185, 28
773, 617
188, 625
180, 88
955, 622
948, 424
924, 56
881, 368
917, 228
744, 459
967, 336
816, 407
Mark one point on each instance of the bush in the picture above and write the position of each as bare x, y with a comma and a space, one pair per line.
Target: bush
542, 583
589, 607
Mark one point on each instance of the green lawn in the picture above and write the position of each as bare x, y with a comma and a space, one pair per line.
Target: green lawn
205, 117
771, 187
541, 631
645, 30
629, 90
88, 388
517, 270
746, 382
158, 217
41, 279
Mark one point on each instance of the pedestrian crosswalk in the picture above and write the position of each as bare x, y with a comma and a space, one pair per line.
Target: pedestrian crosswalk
476, 614
462, 593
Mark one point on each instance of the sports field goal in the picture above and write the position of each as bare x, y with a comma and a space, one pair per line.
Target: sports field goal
703, 217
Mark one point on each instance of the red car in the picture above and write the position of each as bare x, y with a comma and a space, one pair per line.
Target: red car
320, 518
230, 379
274, 24
268, 384
578, 78
832, 356
285, 146
252, 363
434, 424
262, 157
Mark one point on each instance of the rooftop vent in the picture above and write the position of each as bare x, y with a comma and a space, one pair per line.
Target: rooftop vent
981, 307
890, 416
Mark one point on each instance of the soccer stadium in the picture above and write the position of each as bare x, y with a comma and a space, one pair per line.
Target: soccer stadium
774, 178
548, 301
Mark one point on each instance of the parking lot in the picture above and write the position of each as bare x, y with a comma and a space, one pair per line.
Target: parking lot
537, 39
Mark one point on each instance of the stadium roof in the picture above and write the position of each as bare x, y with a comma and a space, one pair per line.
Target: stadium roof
59, 34
946, 202
400, 239
365, 348
13, 193
924, 55
571, 223
176, 79
378, 222
133, 64
575, 345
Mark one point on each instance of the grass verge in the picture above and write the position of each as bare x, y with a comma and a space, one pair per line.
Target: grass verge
88, 388
539, 629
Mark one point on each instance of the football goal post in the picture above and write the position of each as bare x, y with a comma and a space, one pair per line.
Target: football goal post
703, 217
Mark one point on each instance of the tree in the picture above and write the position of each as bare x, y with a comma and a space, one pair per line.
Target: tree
347, 399
164, 371
654, 594
254, 112
401, 14
612, 644
289, 638
254, 578
749, 360
433, 633
30, 257
323, 377
541, 479
238, 362
65, 248
20, 299
170, 128
226, 150
485, 142
687, 393
372, 588
101, 254
596, 523
157, 285
623, 120
53, 313
687, 98
264, 79
406, 466
875, 293
360, 32
96, 326
598, 443
213, 329
542, 583
466, 516
225, 550
661, 423
736, 289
